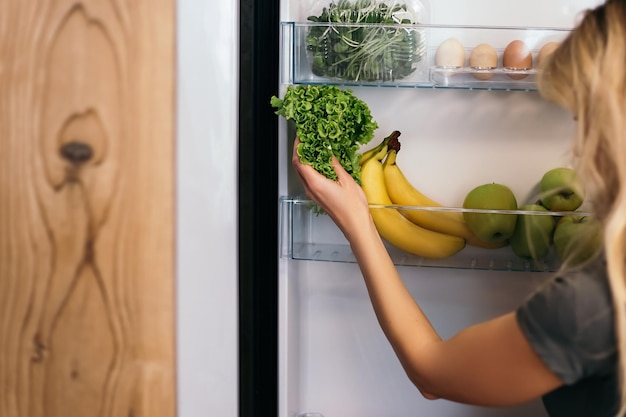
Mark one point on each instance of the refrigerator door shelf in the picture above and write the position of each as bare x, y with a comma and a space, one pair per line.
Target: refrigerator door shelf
308, 235
499, 78
338, 54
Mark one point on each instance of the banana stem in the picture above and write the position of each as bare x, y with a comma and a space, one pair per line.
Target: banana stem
393, 148
394, 143
383, 145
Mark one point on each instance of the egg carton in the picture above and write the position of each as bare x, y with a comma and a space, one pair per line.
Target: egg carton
483, 66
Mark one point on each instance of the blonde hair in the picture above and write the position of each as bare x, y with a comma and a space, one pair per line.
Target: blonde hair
587, 75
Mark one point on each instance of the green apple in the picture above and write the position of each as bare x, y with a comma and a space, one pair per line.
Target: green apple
493, 228
577, 239
532, 237
561, 190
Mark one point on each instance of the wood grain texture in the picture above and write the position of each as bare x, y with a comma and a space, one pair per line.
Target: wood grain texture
87, 208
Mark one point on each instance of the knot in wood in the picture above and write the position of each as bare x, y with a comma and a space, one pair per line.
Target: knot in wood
76, 152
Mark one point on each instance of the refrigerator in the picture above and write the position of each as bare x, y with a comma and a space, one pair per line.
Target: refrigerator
309, 342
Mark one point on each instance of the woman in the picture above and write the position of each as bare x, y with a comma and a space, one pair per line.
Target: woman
565, 342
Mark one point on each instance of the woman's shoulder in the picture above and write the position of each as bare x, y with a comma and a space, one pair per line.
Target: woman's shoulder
569, 321
585, 292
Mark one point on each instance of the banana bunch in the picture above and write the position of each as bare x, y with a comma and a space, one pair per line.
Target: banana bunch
403, 193
392, 225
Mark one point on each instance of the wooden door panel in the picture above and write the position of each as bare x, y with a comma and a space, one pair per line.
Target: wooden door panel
87, 208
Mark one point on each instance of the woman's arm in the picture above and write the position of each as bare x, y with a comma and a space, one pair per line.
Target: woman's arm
490, 363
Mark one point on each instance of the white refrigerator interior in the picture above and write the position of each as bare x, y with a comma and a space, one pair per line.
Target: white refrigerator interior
334, 359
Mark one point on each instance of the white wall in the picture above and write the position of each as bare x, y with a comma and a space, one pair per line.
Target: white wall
207, 208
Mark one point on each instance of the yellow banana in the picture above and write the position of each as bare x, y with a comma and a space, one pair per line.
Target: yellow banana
403, 193
393, 226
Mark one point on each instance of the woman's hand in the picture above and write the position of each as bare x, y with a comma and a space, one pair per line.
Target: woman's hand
343, 200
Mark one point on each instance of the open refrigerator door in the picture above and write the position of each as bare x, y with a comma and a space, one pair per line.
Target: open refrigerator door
462, 124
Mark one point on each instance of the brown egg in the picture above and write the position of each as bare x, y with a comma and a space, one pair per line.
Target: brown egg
546, 50
483, 57
517, 56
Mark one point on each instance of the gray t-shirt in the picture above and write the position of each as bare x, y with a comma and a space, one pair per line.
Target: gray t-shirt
569, 323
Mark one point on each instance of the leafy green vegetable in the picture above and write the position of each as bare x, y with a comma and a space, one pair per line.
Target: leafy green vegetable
361, 42
328, 121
